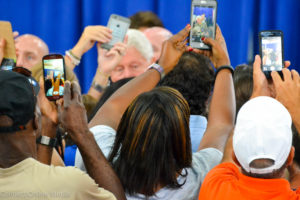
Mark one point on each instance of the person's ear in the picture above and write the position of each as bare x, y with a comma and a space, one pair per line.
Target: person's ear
291, 156
235, 159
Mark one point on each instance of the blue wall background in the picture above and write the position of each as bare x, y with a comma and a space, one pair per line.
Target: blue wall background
60, 23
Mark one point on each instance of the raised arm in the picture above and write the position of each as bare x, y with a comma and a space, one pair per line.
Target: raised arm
73, 119
111, 112
107, 62
221, 115
89, 37
288, 93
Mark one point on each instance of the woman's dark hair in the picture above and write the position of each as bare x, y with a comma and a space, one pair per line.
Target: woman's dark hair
152, 144
243, 84
106, 94
193, 77
145, 19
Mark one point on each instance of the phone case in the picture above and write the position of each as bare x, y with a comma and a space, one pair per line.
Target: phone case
270, 33
54, 83
119, 25
200, 26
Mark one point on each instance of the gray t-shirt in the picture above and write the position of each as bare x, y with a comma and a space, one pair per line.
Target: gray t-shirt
203, 161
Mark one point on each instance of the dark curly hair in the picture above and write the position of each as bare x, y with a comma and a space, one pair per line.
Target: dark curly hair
193, 77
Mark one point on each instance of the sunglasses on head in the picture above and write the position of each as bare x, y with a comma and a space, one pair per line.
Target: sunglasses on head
32, 81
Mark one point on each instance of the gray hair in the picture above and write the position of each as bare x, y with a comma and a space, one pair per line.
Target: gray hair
138, 40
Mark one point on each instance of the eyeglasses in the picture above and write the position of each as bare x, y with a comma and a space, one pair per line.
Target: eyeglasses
32, 81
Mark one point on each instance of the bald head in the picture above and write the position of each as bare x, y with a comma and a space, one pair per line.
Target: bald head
30, 50
157, 35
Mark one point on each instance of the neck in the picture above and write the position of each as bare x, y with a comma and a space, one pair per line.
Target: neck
16, 147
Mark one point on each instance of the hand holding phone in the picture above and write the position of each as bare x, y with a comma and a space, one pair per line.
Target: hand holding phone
203, 22
54, 76
119, 26
271, 51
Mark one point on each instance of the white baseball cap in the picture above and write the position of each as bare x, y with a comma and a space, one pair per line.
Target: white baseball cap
263, 131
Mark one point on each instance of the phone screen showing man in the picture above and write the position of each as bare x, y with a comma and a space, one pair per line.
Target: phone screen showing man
203, 25
272, 53
54, 78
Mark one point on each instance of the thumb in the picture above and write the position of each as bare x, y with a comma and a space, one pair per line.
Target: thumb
257, 64
209, 41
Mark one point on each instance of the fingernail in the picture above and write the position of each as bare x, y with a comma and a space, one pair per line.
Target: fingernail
191, 49
203, 38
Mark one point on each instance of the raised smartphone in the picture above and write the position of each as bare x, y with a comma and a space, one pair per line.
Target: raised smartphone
54, 76
203, 22
9, 57
119, 26
271, 51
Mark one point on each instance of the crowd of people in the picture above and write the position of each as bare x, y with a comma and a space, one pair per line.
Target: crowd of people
161, 120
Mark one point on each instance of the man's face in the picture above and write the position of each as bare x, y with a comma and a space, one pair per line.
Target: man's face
131, 65
29, 50
157, 36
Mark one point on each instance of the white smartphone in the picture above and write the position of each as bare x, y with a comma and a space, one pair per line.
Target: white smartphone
203, 22
119, 26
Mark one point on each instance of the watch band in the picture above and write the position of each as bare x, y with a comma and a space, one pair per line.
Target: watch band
45, 140
230, 68
158, 68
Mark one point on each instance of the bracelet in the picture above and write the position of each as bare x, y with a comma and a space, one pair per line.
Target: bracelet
74, 59
224, 67
45, 140
158, 68
97, 87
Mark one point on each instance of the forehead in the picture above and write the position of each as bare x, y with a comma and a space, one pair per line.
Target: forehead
132, 55
156, 35
28, 43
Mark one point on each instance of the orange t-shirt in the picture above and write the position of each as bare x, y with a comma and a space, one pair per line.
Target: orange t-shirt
226, 182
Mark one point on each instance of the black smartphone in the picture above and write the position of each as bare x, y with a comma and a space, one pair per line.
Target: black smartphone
54, 76
119, 26
203, 22
271, 51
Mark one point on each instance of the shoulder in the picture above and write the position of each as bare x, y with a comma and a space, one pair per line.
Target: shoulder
104, 136
77, 180
220, 179
206, 159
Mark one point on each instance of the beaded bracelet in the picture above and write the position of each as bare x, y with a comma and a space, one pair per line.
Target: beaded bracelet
74, 59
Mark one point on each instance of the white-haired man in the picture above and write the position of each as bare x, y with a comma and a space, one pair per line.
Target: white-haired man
138, 56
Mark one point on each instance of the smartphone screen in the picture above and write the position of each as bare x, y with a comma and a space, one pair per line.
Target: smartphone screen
203, 22
119, 26
271, 52
54, 76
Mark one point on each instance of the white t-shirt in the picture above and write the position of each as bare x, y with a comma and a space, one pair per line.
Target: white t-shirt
202, 162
